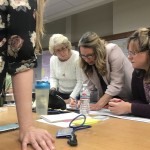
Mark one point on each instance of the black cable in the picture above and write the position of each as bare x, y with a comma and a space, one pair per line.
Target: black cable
73, 139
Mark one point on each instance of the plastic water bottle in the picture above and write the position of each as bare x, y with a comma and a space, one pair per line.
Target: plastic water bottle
42, 97
85, 100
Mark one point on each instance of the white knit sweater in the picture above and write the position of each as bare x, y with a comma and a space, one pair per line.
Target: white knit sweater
66, 76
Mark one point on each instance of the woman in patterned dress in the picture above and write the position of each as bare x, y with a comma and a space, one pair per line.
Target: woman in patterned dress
20, 29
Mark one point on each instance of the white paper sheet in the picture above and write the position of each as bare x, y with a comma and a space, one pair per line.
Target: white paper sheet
106, 112
59, 117
59, 124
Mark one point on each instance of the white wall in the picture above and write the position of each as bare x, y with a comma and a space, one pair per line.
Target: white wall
112, 18
99, 20
128, 15
58, 26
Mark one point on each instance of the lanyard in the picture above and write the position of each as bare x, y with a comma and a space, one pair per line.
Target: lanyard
72, 139
81, 126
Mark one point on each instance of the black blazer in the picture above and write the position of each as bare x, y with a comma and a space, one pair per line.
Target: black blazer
140, 106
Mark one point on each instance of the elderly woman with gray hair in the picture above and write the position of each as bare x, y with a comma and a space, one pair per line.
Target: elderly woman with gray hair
65, 73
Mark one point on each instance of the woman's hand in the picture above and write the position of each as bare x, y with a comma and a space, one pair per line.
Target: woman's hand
103, 101
74, 103
96, 106
119, 107
67, 101
40, 139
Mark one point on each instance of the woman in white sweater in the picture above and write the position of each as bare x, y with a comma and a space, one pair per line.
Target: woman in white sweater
65, 73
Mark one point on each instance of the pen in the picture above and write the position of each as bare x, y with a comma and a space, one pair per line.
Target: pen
77, 101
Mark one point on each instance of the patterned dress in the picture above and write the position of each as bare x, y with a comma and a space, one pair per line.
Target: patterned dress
17, 37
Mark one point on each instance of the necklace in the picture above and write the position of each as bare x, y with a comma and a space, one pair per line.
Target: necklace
65, 64
63, 67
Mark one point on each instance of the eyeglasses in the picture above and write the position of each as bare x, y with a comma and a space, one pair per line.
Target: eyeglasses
132, 53
62, 49
89, 56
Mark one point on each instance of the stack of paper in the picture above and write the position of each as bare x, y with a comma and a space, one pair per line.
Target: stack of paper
61, 117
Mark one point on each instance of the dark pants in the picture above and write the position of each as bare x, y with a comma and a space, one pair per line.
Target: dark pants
64, 96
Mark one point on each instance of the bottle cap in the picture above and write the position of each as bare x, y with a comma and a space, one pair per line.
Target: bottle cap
42, 84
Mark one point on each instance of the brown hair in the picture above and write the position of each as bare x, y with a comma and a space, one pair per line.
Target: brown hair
92, 40
39, 25
142, 36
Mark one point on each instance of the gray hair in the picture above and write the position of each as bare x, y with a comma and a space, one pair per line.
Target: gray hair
58, 39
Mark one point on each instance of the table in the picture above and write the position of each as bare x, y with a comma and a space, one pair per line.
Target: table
111, 134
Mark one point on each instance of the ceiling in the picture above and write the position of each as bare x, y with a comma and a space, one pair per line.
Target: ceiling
57, 9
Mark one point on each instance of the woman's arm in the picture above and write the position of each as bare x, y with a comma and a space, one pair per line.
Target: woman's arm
53, 79
103, 101
119, 107
141, 110
78, 86
115, 68
38, 138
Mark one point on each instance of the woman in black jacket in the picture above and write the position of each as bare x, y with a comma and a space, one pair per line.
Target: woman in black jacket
139, 55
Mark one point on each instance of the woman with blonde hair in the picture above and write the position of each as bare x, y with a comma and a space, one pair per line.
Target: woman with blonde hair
104, 69
20, 40
139, 55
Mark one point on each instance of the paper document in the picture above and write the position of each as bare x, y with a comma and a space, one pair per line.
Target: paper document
59, 117
68, 107
88, 121
59, 124
106, 112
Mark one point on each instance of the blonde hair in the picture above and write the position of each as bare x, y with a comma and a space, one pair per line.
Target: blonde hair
92, 40
142, 36
39, 25
56, 40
